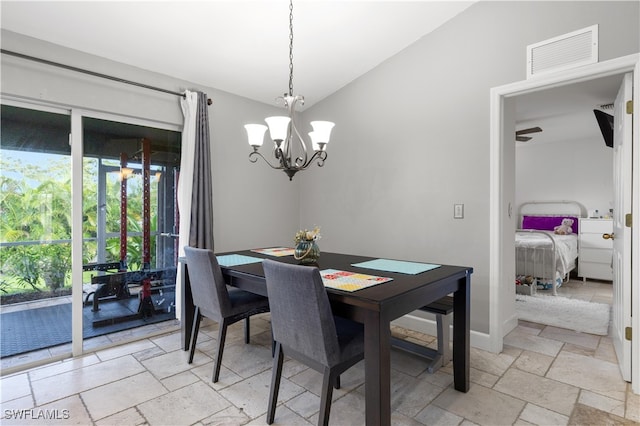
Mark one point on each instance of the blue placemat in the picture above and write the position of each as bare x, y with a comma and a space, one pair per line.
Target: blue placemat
237, 259
401, 266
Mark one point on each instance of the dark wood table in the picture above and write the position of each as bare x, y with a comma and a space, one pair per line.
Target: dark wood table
375, 307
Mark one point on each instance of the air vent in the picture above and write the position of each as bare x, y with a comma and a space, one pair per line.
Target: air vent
563, 52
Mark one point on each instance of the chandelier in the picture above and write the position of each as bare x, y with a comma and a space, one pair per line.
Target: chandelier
284, 133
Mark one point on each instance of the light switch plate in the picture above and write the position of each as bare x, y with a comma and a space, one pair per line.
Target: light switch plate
458, 211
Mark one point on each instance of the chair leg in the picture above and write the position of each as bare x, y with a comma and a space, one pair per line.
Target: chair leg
325, 400
222, 334
273, 344
337, 385
443, 346
275, 383
246, 330
194, 333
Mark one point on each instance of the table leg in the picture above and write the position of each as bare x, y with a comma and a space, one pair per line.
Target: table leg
461, 334
188, 309
377, 358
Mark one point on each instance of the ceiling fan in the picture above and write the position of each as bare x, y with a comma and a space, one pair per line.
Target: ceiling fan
521, 138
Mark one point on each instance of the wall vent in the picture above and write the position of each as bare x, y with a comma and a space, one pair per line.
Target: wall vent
563, 52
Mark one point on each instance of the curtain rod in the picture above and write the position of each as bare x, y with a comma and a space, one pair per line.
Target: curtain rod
93, 73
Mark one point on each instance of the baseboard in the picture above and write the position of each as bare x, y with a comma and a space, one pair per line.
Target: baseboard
510, 324
423, 325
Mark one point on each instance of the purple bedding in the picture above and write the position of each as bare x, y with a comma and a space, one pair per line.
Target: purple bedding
547, 223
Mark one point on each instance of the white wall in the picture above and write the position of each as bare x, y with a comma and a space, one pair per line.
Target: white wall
412, 136
253, 205
579, 170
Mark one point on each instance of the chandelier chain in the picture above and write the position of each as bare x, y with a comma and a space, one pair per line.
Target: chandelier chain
291, 48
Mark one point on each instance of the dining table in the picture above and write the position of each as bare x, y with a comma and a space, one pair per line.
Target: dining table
375, 306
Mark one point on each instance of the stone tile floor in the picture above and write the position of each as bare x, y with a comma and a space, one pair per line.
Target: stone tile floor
544, 376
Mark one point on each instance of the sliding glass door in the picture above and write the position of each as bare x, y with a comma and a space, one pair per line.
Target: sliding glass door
129, 227
35, 242
96, 191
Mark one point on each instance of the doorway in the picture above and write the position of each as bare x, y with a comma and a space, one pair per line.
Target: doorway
564, 156
502, 192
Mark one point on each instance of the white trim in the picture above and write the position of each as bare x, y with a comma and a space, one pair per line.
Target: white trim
496, 197
412, 322
495, 218
77, 154
101, 115
145, 122
635, 236
38, 106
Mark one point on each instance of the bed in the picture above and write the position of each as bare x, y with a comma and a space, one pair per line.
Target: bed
543, 258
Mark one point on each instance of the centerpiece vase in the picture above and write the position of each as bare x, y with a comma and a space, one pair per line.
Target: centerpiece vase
307, 252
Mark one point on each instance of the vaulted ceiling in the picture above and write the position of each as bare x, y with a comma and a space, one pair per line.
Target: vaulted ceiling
238, 46
242, 47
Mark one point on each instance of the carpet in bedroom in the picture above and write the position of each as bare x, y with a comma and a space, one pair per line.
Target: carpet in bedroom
572, 314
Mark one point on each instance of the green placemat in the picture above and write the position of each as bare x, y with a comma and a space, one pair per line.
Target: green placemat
400, 266
237, 259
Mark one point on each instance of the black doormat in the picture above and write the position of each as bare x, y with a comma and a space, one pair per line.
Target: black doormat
39, 328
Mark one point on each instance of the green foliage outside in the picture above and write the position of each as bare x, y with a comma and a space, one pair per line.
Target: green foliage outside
35, 209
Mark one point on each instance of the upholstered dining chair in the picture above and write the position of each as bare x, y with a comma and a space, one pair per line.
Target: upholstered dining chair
213, 299
305, 329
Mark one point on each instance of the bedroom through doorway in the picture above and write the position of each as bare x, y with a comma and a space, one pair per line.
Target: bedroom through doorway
561, 154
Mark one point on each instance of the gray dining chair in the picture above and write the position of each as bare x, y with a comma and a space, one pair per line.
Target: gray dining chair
305, 329
215, 300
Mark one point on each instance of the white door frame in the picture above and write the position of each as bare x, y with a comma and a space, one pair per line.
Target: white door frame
501, 308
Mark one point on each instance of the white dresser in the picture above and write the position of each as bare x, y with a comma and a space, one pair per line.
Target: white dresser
594, 252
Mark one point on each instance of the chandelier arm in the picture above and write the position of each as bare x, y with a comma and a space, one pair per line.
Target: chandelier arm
253, 158
284, 155
320, 156
290, 102
301, 160
285, 160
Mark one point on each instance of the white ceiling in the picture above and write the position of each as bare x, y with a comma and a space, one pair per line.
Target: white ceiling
566, 113
238, 46
242, 47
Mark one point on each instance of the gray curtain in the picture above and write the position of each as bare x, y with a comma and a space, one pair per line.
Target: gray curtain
201, 231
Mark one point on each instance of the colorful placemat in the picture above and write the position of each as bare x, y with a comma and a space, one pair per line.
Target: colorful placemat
237, 259
276, 251
400, 266
350, 281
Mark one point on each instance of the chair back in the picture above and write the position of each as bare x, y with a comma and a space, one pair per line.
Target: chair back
208, 287
301, 317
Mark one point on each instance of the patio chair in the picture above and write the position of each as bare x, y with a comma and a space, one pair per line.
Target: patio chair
305, 329
215, 300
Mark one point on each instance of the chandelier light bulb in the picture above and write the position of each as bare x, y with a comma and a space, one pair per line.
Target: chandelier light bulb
278, 127
255, 134
322, 130
316, 145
